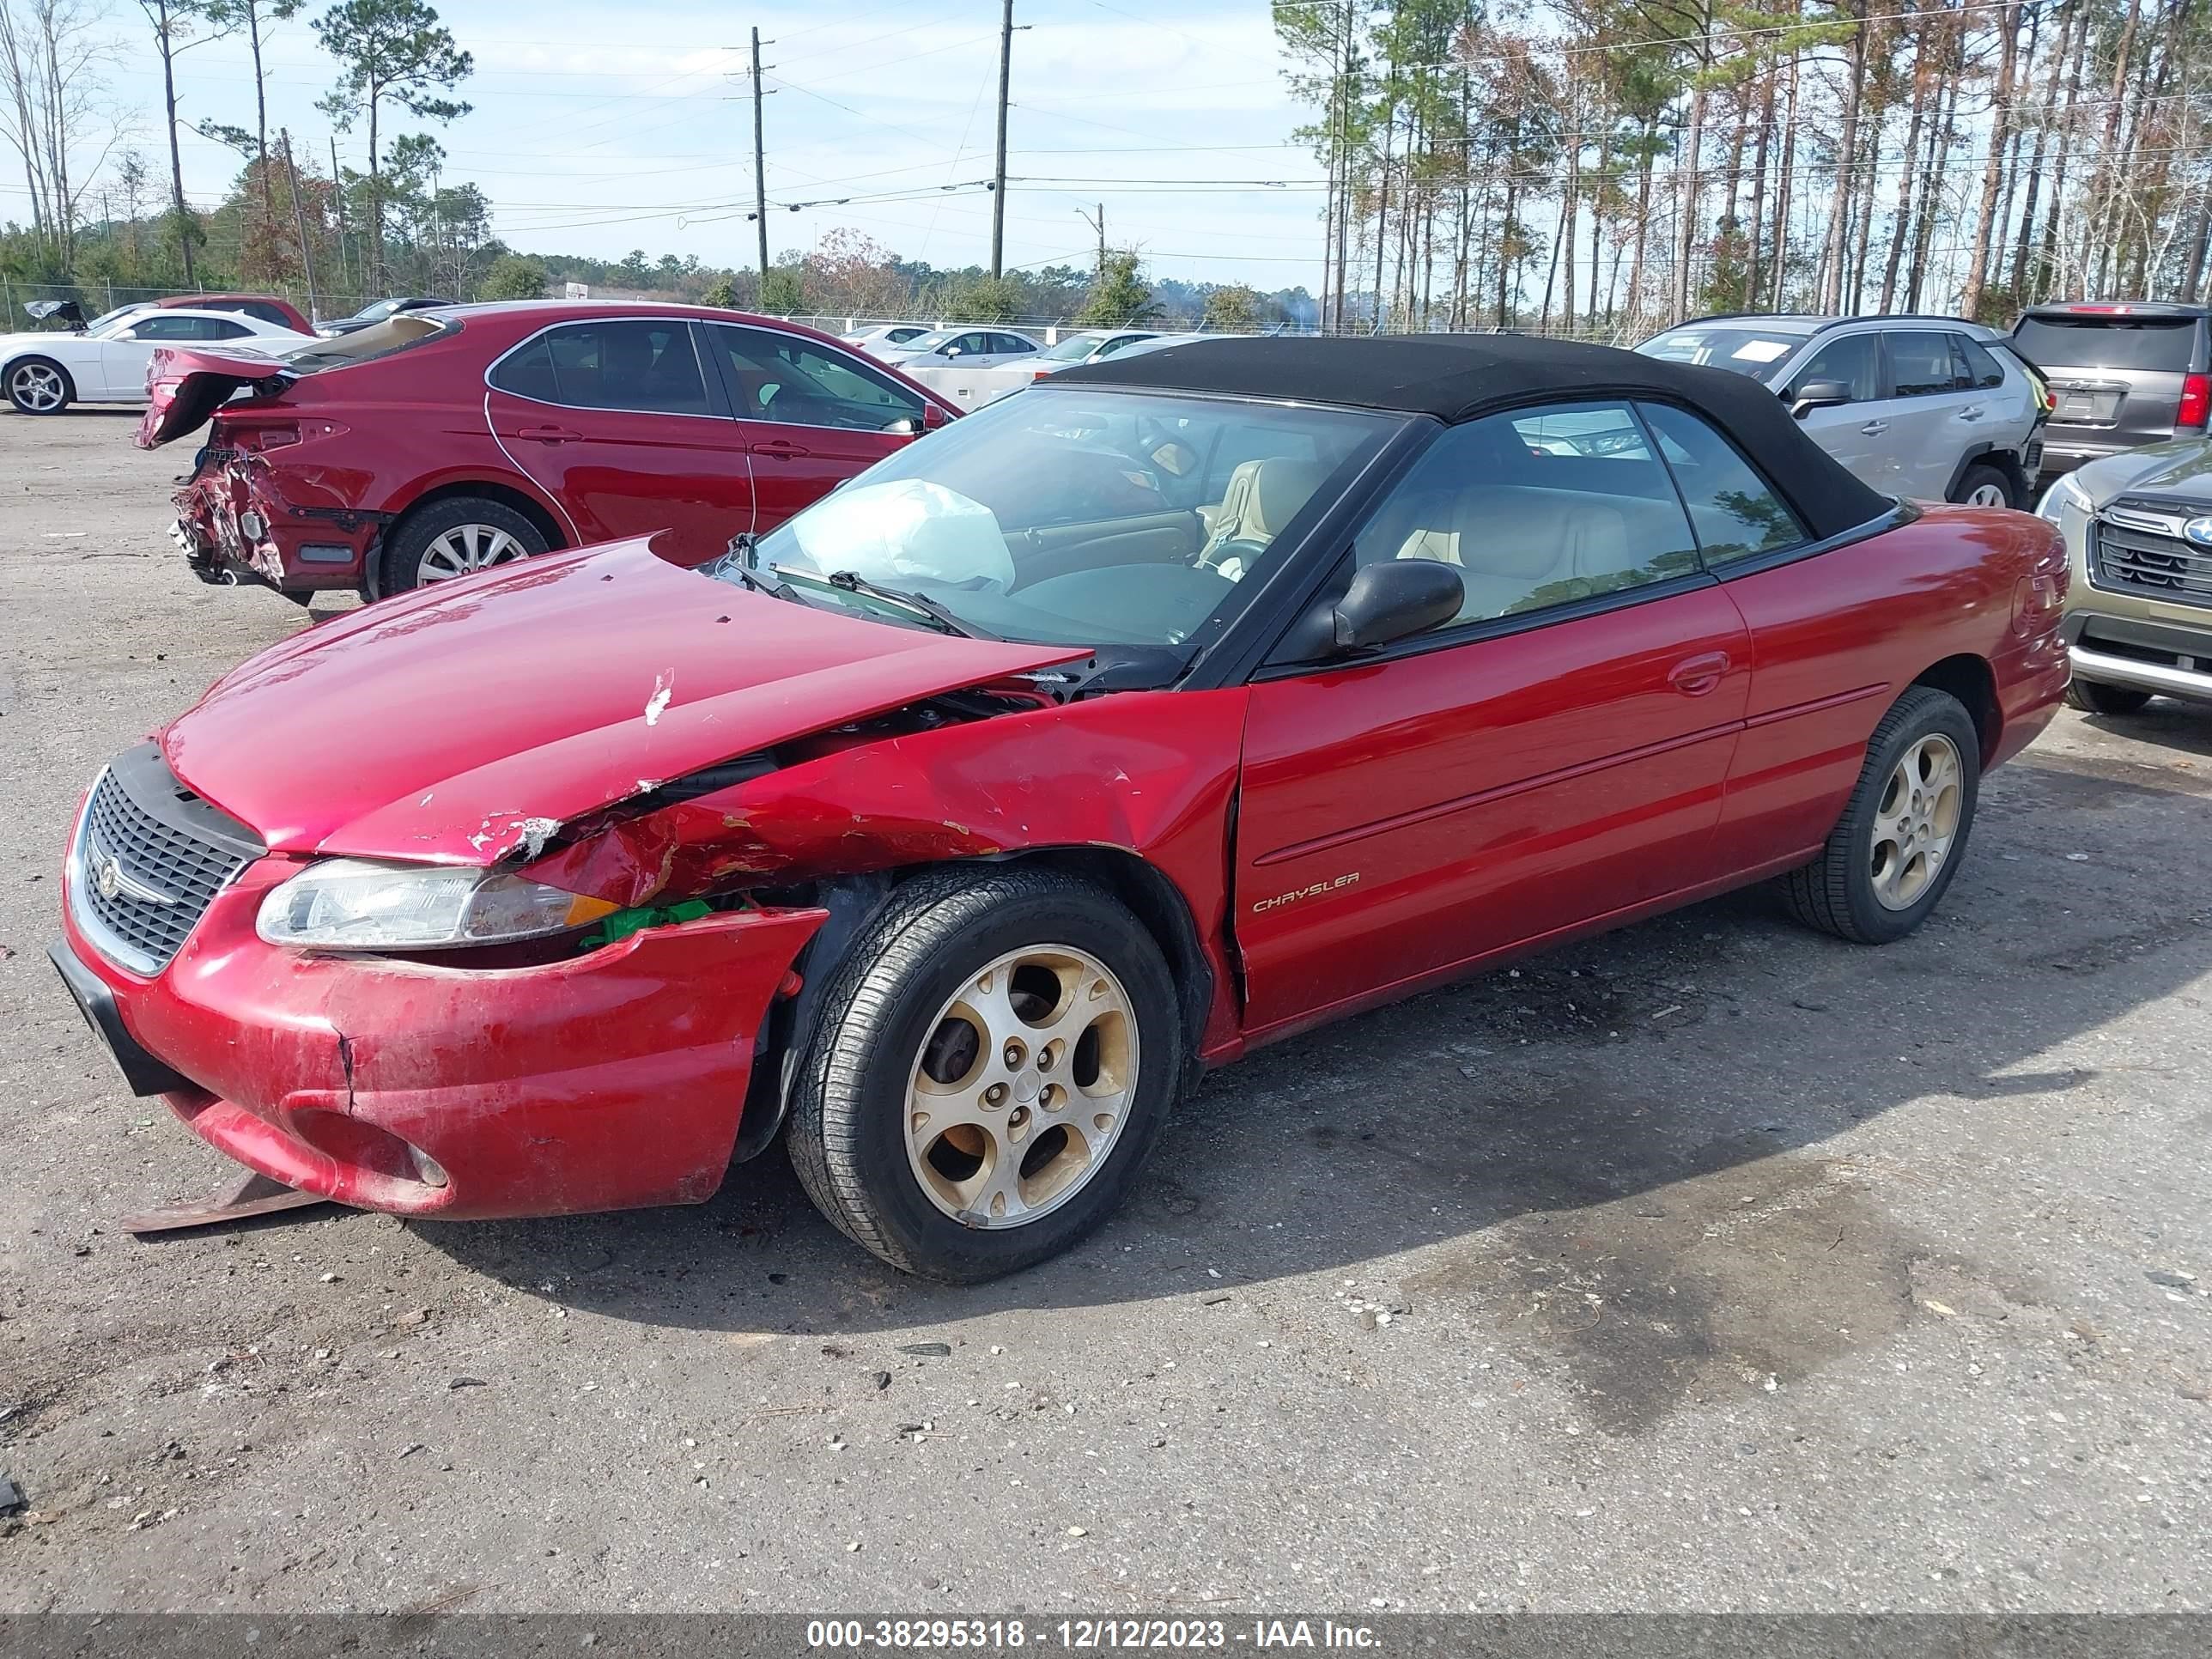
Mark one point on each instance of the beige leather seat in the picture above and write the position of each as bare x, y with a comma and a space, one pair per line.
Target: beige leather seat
1517, 549
1261, 498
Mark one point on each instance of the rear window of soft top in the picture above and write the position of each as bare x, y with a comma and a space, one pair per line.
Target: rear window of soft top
2094, 342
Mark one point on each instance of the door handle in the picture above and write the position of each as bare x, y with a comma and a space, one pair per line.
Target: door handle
1972, 413
782, 448
1874, 428
1694, 677
548, 434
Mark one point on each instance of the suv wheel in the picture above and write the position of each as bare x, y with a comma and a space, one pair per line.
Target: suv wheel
2092, 698
1981, 485
456, 537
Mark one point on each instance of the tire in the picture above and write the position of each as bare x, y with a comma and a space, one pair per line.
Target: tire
1981, 478
2091, 698
891, 1172
1855, 889
458, 537
39, 385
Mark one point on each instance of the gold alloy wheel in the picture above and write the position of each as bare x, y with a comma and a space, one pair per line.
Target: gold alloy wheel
1916, 822
1021, 1086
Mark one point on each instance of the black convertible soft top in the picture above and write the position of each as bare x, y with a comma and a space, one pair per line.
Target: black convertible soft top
1453, 377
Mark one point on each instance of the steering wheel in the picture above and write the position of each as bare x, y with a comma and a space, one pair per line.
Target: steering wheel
1244, 550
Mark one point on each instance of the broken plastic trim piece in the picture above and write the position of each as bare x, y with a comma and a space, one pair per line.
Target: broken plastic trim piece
254, 1195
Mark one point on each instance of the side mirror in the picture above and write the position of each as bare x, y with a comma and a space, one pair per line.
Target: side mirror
1818, 394
1395, 599
933, 418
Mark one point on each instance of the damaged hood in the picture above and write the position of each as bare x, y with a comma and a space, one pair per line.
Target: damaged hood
467, 721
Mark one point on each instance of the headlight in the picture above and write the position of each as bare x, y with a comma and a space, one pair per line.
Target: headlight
351, 904
2064, 493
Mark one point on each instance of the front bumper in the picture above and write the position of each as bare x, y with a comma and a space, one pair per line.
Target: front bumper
234, 522
2141, 654
610, 1080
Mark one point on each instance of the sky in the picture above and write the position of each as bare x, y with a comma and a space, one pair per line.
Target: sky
600, 128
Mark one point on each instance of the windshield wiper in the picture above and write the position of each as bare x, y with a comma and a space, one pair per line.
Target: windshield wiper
851, 581
741, 562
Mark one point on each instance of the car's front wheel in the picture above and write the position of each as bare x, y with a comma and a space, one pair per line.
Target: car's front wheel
997, 1056
1900, 838
454, 538
38, 386
1983, 486
2092, 698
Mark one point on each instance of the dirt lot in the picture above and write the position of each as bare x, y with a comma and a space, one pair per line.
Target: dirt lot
1733, 1267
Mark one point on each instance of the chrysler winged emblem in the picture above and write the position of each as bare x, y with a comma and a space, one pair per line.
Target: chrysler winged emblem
109, 876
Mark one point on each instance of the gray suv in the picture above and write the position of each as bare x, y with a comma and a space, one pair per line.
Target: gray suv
1925, 408
2123, 375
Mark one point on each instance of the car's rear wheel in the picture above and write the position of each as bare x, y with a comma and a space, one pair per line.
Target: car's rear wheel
39, 385
2092, 698
456, 537
1900, 839
1983, 486
997, 1056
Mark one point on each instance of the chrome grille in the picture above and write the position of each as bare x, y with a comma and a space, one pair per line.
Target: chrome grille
2136, 551
148, 862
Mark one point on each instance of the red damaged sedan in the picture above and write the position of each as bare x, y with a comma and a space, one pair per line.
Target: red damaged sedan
1175, 705
435, 444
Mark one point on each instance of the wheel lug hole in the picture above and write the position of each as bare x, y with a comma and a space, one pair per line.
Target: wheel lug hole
996, 1095
1014, 1054
1017, 1117
1047, 1056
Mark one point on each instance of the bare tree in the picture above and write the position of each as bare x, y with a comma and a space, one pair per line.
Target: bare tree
53, 55
179, 26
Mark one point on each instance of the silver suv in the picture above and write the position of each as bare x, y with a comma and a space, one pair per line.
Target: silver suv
1926, 408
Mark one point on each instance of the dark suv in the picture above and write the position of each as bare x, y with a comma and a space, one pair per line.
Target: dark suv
2123, 375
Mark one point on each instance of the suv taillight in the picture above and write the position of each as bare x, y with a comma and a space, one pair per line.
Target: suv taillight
2196, 400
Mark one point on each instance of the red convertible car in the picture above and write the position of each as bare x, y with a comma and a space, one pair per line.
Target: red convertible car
431, 444
953, 826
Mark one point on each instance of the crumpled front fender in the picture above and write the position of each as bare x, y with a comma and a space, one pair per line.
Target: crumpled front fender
608, 1080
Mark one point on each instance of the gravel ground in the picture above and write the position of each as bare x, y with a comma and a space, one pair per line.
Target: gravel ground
1726, 1267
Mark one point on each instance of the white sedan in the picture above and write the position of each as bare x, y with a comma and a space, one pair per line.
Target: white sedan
963, 348
105, 362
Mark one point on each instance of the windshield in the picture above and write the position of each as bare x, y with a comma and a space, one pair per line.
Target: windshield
1073, 349
1082, 517
381, 309
112, 322
1748, 350
935, 338
107, 318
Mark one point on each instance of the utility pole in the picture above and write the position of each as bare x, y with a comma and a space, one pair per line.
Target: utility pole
1097, 224
299, 218
337, 195
999, 187
760, 164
